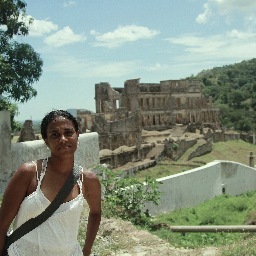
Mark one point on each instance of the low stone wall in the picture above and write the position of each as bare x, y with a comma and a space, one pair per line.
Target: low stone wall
123, 155
198, 185
201, 150
221, 135
175, 149
133, 170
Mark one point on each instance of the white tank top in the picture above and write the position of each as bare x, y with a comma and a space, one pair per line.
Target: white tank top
57, 236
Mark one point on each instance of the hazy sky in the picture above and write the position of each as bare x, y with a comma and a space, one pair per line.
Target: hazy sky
85, 42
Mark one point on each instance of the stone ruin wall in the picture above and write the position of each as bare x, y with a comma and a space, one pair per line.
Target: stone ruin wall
113, 134
169, 103
106, 100
121, 157
175, 149
158, 106
84, 119
27, 132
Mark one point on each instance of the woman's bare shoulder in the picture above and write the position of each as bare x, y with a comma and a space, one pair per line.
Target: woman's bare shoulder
22, 178
26, 170
92, 187
89, 175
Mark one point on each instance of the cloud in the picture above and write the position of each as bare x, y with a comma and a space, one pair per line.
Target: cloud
204, 17
122, 35
157, 67
232, 45
226, 8
41, 27
69, 3
64, 37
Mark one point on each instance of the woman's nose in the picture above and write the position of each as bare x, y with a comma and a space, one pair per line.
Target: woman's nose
62, 138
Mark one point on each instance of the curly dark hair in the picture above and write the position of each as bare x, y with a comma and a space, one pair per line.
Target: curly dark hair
52, 115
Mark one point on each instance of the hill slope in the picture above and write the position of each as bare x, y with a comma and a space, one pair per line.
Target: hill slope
233, 88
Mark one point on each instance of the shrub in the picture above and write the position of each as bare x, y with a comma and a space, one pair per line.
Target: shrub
125, 198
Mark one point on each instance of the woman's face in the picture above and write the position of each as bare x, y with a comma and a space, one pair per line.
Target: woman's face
61, 136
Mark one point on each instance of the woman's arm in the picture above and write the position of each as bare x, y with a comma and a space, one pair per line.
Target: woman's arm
92, 193
13, 196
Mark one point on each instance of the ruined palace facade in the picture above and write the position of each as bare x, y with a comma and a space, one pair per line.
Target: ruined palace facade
159, 105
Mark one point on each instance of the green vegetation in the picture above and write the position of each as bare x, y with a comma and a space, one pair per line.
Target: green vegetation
222, 210
20, 65
125, 198
236, 150
233, 88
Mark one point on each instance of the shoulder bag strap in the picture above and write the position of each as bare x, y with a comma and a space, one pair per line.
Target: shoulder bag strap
32, 223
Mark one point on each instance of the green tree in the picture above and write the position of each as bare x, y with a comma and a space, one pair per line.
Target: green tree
235, 98
233, 90
13, 16
20, 65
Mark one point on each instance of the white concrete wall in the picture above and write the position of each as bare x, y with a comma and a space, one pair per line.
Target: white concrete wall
190, 188
5, 145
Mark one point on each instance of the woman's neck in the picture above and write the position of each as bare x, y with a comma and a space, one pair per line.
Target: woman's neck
61, 164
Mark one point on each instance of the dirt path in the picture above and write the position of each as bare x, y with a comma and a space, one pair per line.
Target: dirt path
121, 238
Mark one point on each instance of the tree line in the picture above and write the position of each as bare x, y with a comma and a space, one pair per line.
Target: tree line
233, 89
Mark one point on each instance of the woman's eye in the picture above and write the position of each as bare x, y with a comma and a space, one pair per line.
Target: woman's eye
55, 135
69, 133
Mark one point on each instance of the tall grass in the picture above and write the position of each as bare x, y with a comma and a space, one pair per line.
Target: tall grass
222, 210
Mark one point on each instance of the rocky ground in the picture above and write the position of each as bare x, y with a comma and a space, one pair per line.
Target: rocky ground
117, 237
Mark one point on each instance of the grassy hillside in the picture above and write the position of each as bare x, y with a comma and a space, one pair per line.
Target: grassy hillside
222, 210
233, 88
237, 151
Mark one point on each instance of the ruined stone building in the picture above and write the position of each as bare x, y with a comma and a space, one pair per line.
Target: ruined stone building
84, 118
121, 113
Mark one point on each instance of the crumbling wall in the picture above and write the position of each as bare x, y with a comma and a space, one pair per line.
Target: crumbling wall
84, 119
27, 132
106, 98
221, 135
114, 134
123, 155
201, 150
129, 96
5, 148
175, 149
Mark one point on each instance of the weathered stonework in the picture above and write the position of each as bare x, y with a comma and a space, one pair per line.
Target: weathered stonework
27, 132
118, 158
84, 119
175, 149
114, 134
121, 113
201, 150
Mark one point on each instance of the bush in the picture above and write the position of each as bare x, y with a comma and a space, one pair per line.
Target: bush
125, 198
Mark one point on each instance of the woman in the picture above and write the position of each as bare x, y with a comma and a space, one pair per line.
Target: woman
35, 184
